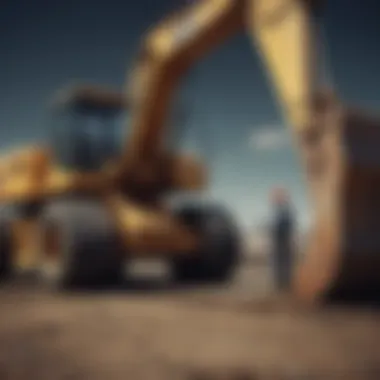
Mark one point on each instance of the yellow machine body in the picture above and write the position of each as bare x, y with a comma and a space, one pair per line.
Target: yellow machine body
339, 257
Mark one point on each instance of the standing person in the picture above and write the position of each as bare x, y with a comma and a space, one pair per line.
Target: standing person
282, 239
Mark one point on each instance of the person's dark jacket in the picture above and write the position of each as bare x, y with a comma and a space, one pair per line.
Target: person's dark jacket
283, 224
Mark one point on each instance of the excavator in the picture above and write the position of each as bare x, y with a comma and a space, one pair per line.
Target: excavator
93, 200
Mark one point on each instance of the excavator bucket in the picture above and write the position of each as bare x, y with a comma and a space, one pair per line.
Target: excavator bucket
342, 156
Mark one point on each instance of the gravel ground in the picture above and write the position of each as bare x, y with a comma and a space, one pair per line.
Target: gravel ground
151, 331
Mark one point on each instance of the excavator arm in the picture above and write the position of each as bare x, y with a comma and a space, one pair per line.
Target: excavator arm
283, 32
279, 28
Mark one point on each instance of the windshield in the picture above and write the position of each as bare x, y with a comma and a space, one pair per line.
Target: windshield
84, 138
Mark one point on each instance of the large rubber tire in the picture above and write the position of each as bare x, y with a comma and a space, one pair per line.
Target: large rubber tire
219, 253
6, 244
90, 253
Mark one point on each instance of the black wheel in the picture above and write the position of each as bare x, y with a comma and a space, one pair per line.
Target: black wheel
6, 244
80, 246
219, 254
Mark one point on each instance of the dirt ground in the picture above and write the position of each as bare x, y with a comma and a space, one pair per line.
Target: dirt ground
154, 332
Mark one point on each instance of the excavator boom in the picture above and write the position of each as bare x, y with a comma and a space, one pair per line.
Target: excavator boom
279, 28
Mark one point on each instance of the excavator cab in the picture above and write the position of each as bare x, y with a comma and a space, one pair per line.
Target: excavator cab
87, 128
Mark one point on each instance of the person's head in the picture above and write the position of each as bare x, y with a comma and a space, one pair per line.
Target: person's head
280, 197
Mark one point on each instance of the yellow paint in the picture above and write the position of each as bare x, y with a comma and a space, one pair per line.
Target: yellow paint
150, 230
26, 238
281, 29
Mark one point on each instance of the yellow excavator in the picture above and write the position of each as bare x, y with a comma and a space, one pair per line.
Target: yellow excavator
90, 202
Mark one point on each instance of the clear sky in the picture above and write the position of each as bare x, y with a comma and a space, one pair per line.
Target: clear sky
45, 43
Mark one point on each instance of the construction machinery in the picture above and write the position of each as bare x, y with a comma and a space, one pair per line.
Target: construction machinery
91, 210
